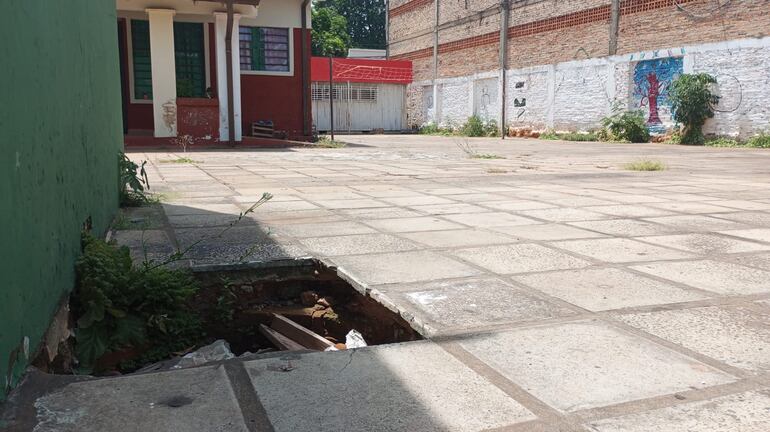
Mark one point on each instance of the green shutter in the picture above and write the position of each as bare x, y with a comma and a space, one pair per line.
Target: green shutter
140, 44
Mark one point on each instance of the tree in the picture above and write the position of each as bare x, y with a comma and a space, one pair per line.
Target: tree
365, 18
330, 33
692, 102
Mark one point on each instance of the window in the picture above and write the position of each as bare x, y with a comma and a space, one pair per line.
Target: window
188, 56
190, 60
140, 44
264, 49
344, 91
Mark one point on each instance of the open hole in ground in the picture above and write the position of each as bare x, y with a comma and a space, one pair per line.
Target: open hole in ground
257, 310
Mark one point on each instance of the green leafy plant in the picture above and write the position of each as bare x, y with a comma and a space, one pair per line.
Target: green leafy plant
326, 142
626, 126
759, 141
133, 182
645, 165
119, 306
475, 126
549, 134
723, 142
692, 103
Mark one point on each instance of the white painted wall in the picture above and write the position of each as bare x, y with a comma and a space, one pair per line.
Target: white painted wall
576, 95
163, 72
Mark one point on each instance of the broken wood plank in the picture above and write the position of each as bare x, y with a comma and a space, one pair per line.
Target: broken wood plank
299, 334
280, 341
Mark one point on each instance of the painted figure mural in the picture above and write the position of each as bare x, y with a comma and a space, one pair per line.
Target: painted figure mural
652, 79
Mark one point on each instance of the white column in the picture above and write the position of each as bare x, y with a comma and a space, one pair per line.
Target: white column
221, 30
163, 71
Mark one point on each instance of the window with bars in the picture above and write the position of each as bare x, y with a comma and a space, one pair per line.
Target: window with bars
264, 49
188, 56
345, 92
140, 44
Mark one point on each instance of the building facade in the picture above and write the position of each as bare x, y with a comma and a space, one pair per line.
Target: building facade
174, 68
568, 63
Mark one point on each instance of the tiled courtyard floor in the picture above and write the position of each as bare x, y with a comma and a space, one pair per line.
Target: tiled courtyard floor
558, 291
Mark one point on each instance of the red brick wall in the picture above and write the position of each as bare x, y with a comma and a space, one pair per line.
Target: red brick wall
545, 32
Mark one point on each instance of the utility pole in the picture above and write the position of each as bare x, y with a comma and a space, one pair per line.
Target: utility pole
504, 9
435, 63
614, 26
331, 95
229, 63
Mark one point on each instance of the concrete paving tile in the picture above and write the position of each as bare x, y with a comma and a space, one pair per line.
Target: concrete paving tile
380, 213
235, 235
563, 214
325, 229
509, 205
547, 232
519, 258
457, 238
419, 200
714, 276
696, 223
351, 203
582, 365
691, 207
624, 227
275, 206
476, 198
761, 260
209, 253
742, 204
736, 335
456, 208
425, 223
756, 234
619, 250
468, 303
705, 243
402, 267
491, 219
742, 412
581, 202
182, 400
401, 388
760, 219
606, 288
629, 210
180, 208
357, 244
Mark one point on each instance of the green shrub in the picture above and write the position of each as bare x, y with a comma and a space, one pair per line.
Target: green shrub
476, 127
119, 306
723, 142
132, 182
549, 134
692, 103
429, 129
579, 136
759, 141
624, 125
645, 165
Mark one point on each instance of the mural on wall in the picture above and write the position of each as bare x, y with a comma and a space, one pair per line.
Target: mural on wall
652, 79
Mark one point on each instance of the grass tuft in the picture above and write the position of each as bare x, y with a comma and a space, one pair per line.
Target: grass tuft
181, 160
645, 165
326, 142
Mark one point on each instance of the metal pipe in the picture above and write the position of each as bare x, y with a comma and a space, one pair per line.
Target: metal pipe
435, 63
229, 62
387, 29
331, 95
504, 9
304, 49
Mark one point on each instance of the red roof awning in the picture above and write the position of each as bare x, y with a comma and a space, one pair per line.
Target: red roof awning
362, 70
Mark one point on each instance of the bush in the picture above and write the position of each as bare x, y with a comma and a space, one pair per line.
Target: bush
549, 134
623, 125
119, 306
723, 142
476, 127
132, 182
759, 141
692, 103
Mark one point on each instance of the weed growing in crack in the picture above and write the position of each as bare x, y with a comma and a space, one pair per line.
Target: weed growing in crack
645, 165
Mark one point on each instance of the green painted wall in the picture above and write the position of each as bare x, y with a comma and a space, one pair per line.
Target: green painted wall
60, 134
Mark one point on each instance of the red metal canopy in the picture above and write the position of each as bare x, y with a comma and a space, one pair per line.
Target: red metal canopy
362, 70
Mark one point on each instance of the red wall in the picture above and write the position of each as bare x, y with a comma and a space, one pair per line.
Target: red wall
276, 98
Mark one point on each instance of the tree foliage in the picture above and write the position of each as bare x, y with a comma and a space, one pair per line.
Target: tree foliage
365, 20
330, 33
692, 102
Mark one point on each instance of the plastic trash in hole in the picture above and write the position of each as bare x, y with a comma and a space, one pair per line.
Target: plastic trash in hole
217, 351
354, 339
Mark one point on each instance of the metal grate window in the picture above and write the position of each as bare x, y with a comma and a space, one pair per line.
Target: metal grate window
345, 92
140, 47
264, 49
